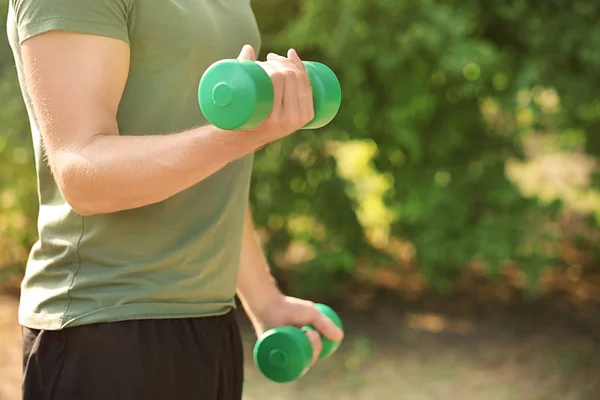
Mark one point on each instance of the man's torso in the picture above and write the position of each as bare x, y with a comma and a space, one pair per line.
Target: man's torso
175, 258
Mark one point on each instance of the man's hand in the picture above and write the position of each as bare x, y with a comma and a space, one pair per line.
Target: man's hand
293, 100
285, 310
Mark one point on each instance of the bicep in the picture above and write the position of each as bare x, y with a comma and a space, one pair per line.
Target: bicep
75, 83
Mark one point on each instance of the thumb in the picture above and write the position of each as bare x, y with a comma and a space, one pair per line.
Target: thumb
247, 53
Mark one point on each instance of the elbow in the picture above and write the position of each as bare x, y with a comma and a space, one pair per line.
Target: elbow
75, 189
77, 199
85, 198
82, 210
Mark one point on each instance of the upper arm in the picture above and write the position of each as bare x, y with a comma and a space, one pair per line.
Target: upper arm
75, 56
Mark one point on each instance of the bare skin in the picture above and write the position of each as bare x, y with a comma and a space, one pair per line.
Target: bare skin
99, 171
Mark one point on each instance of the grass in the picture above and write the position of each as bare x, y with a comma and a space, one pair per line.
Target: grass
399, 351
388, 360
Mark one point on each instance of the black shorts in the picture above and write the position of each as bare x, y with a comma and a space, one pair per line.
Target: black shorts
170, 359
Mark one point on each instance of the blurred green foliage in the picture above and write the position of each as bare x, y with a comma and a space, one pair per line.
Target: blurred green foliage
18, 191
439, 98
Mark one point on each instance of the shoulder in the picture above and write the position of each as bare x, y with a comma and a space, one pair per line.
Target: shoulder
99, 17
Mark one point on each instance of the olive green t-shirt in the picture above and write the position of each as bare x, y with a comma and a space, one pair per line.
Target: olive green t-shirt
176, 258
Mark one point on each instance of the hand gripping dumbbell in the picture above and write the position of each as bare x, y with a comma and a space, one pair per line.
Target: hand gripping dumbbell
238, 94
285, 354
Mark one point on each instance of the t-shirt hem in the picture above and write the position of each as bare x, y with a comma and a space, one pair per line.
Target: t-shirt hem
128, 312
34, 28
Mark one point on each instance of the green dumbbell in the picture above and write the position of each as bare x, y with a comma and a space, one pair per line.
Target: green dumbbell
285, 354
238, 94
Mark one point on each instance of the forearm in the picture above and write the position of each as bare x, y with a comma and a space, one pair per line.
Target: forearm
256, 286
114, 172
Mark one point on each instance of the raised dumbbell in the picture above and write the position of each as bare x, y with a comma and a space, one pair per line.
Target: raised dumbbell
285, 354
238, 94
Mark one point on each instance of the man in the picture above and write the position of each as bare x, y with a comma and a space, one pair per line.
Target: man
144, 230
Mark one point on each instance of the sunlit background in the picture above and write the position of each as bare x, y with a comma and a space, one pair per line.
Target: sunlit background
450, 213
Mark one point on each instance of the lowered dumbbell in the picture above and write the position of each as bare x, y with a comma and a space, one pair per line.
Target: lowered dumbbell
285, 353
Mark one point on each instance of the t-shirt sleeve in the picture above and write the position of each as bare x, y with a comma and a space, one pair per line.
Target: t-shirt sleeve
96, 17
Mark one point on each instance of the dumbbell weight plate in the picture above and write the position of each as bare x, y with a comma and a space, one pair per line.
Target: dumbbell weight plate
235, 94
283, 354
327, 94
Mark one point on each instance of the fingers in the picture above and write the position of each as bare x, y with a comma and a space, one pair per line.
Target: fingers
303, 104
308, 314
247, 53
305, 94
306, 100
327, 327
293, 98
316, 343
322, 325
293, 56
273, 56
278, 90
292, 93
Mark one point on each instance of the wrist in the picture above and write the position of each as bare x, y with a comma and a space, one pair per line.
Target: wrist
261, 299
250, 140
232, 144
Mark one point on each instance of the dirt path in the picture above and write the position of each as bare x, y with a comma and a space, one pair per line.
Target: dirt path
392, 353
